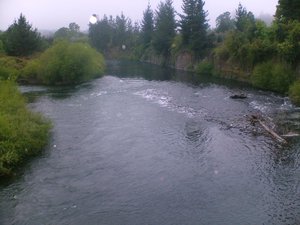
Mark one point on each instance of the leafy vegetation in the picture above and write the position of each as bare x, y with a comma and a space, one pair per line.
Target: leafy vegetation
72, 33
22, 133
65, 63
10, 67
273, 76
205, 68
294, 92
111, 35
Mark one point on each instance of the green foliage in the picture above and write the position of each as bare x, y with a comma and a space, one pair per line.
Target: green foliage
273, 76
224, 22
147, 27
22, 133
244, 20
65, 63
20, 39
288, 10
100, 34
289, 44
112, 34
205, 68
194, 26
10, 67
294, 92
165, 25
72, 33
1, 47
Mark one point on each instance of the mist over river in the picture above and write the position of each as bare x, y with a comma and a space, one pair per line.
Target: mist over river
147, 145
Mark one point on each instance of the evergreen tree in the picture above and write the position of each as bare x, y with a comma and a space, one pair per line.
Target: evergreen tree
21, 39
147, 26
165, 26
288, 10
194, 26
244, 20
224, 22
100, 34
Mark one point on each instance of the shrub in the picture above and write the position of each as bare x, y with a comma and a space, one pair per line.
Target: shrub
272, 76
66, 63
205, 68
10, 67
294, 93
22, 133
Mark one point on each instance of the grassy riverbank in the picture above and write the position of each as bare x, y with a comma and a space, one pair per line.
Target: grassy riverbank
22, 132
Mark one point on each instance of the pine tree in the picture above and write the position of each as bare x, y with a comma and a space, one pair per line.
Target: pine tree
165, 26
147, 26
288, 10
224, 22
100, 34
194, 26
20, 39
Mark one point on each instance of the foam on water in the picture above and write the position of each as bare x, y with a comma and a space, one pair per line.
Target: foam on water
164, 100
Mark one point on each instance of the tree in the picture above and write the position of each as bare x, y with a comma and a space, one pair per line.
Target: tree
288, 10
100, 34
72, 33
63, 33
194, 26
120, 30
244, 20
74, 27
21, 39
224, 22
165, 26
147, 26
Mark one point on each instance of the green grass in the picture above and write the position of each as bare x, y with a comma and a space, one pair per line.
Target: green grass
22, 132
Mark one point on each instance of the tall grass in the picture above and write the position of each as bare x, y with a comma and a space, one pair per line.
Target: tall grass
22, 133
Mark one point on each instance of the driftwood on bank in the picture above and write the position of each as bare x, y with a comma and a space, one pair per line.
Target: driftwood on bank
268, 129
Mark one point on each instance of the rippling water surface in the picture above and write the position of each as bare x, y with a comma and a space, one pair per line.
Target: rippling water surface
145, 145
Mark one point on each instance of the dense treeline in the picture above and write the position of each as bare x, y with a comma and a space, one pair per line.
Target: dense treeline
266, 55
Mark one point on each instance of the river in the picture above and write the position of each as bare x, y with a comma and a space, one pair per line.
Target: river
146, 145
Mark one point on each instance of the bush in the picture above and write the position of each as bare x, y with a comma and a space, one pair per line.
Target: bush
294, 93
65, 63
205, 68
272, 76
10, 67
22, 133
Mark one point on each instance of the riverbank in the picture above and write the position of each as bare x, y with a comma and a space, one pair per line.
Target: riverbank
274, 76
22, 133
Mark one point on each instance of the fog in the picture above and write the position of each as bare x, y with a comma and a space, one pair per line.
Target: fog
53, 14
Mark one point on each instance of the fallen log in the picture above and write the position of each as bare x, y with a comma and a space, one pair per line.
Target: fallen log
275, 135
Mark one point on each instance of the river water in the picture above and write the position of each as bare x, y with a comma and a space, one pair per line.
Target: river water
146, 145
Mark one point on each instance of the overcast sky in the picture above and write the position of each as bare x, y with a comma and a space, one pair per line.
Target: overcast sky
53, 14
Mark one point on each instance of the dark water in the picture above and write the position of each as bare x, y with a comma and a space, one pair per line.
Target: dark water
164, 149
